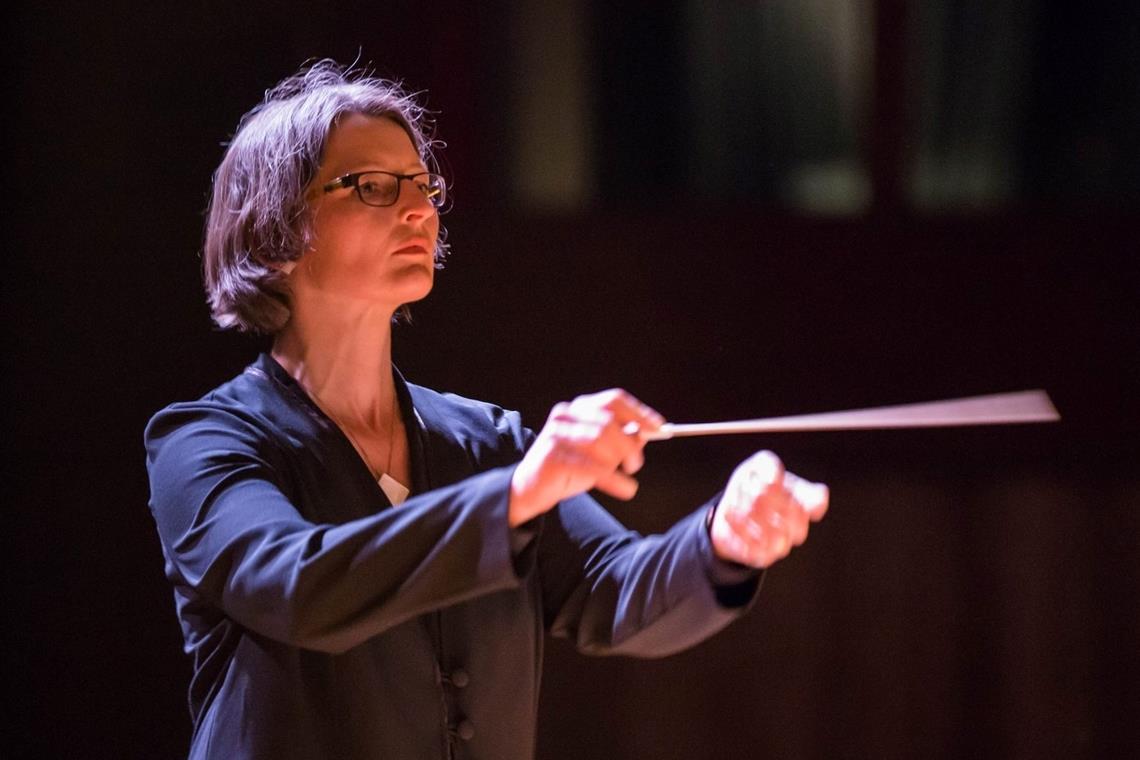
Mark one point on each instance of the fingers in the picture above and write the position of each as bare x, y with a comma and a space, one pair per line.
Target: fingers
760, 545
583, 445
813, 497
597, 433
617, 484
764, 469
793, 521
767, 511
633, 461
631, 415
628, 409
619, 418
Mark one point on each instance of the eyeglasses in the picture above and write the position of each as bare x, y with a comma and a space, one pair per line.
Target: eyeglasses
376, 188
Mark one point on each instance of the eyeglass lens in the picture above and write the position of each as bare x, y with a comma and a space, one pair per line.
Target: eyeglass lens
382, 189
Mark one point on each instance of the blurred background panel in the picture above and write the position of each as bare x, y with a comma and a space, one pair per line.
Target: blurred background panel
1023, 102
705, 102
733, 209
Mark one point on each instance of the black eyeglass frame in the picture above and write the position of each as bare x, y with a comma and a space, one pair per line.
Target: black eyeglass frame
353, 180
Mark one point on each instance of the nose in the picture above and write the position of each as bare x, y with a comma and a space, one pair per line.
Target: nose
414, 203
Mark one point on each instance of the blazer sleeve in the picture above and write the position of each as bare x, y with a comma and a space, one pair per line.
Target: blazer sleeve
613, 591
233, 538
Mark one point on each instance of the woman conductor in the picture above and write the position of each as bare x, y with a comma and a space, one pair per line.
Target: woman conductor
366, 568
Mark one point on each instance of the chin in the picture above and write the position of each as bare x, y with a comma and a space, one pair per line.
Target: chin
413, 284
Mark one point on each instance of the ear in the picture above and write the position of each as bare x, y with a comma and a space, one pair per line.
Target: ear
285, 267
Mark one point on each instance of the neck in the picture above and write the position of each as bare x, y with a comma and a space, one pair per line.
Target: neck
342, 357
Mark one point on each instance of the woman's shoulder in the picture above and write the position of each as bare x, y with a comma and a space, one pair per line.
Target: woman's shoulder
468, 419
456, 405
252, 406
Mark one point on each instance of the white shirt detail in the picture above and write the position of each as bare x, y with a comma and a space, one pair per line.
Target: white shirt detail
396, 491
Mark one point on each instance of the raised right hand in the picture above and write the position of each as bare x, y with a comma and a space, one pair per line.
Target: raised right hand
584, 444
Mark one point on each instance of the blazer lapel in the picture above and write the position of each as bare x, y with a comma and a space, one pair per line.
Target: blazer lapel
438, 457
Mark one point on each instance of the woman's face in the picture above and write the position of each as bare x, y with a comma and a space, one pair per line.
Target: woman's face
378, 256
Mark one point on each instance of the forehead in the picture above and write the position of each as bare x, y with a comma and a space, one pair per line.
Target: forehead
360, 142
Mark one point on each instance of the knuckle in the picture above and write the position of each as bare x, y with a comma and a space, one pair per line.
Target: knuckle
611, 397
586, 398
770, 459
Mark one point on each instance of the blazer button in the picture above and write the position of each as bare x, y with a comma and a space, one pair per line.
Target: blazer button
460, 678
466, 730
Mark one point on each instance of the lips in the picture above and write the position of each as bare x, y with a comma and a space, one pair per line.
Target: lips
413, 247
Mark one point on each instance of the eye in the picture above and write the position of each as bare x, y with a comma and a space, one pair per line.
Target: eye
369, 186
377, 189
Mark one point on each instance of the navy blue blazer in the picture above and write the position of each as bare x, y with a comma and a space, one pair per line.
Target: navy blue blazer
324, 623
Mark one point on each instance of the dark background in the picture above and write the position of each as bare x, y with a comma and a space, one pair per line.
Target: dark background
972, 592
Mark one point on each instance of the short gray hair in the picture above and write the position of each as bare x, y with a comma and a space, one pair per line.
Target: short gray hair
257, 217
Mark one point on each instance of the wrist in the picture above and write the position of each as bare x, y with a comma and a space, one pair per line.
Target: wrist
518, 502
710, 521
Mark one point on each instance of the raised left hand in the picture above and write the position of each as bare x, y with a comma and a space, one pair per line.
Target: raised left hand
765, 512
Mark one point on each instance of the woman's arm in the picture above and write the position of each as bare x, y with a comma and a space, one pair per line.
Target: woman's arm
235, 540
616, 592
613, 591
